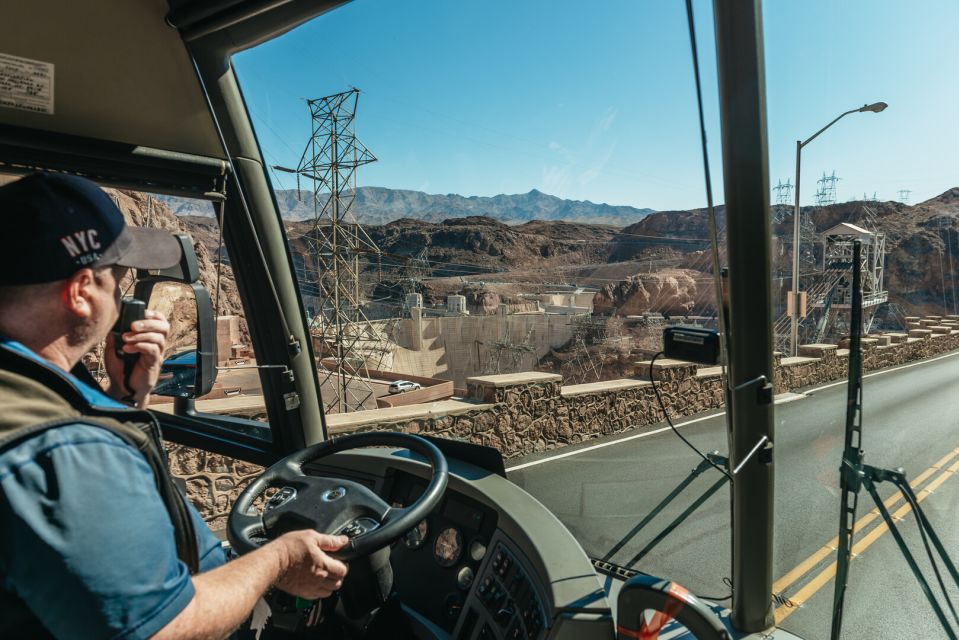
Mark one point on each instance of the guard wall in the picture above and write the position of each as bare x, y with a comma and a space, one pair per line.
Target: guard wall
530, 412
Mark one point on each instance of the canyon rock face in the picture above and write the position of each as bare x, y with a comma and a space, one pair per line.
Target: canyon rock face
476, 248
673, 292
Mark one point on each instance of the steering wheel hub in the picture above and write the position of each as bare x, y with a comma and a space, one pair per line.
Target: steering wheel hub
334, 505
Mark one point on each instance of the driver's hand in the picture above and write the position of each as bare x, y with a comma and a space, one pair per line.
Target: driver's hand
147, 339
307, 571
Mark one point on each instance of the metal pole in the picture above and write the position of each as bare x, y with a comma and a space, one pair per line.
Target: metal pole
739, 49
794, 316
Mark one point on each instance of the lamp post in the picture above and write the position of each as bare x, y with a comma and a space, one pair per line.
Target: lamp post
875, 107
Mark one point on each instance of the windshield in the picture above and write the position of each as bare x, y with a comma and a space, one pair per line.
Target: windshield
495, 212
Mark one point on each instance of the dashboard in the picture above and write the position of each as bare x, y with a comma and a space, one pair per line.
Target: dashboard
481, 579
445, 551
489, 563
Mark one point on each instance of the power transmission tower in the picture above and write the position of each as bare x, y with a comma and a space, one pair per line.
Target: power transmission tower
784, 192
418, 268
904, 195
350, 345
589, 339
826, 194
506, 355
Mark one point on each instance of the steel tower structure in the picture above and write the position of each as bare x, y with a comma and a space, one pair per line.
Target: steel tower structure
349, 345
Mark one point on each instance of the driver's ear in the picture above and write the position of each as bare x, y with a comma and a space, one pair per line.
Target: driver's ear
77, 292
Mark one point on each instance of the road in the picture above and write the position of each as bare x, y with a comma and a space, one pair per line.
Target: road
602, 489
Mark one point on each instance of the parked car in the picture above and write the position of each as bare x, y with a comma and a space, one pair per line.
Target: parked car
402, 386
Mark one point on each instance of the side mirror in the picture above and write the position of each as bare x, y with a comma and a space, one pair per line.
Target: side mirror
191, 371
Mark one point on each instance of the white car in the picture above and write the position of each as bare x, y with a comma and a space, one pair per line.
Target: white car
402, 386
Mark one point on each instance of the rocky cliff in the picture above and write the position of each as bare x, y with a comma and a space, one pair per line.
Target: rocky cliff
922, 247
671, 291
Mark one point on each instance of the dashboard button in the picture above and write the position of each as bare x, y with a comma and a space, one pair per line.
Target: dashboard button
485, 587
504, 615
503, 566
280, 498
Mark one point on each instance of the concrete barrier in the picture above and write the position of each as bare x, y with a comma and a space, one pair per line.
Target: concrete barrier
524, 413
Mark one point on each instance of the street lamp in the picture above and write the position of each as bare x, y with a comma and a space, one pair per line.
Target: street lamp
875, 107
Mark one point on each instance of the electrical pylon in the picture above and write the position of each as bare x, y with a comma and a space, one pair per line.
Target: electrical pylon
349, 344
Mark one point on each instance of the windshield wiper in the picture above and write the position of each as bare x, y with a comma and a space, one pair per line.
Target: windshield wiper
713, 460
854, 475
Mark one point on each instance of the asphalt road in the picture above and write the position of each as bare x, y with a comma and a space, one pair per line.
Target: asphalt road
911, 420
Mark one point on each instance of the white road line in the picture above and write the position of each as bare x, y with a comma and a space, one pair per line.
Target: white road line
789, 396
646, 434
885, 371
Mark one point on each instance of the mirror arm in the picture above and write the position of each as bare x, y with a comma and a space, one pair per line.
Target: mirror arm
184, 406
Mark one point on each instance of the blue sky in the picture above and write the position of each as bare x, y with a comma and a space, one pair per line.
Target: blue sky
596, 101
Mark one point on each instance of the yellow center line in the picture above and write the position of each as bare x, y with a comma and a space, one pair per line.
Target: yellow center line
829, 572
830, 547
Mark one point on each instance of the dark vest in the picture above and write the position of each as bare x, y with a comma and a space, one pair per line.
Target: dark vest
35, 397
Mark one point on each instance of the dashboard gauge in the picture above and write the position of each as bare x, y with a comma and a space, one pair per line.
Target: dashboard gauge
448, 547
464, 578
477, 550
416, 536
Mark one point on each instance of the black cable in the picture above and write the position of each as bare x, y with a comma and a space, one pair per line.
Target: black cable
721, 318
778, 598
929, 554
728, 583
669, 420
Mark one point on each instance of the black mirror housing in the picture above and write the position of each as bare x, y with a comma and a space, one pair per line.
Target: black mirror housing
187, 272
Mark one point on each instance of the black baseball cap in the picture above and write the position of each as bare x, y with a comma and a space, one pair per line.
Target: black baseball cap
57, 224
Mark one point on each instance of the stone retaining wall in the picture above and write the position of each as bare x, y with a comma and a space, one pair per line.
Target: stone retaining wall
213, 481
525, 413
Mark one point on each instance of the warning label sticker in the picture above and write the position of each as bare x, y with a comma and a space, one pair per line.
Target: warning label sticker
26, 84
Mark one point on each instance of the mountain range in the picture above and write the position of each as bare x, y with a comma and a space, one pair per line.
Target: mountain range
379, 205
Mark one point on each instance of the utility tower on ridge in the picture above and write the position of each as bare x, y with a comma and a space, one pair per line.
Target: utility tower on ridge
904, 195
826, 194
349, 345
784, 192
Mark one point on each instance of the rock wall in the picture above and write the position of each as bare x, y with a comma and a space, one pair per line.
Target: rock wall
530, 412
673, 291
213, 481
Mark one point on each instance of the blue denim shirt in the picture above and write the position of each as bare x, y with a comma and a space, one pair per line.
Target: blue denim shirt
85, 540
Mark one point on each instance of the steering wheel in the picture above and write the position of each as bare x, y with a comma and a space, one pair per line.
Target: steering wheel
668, 601
334, 505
